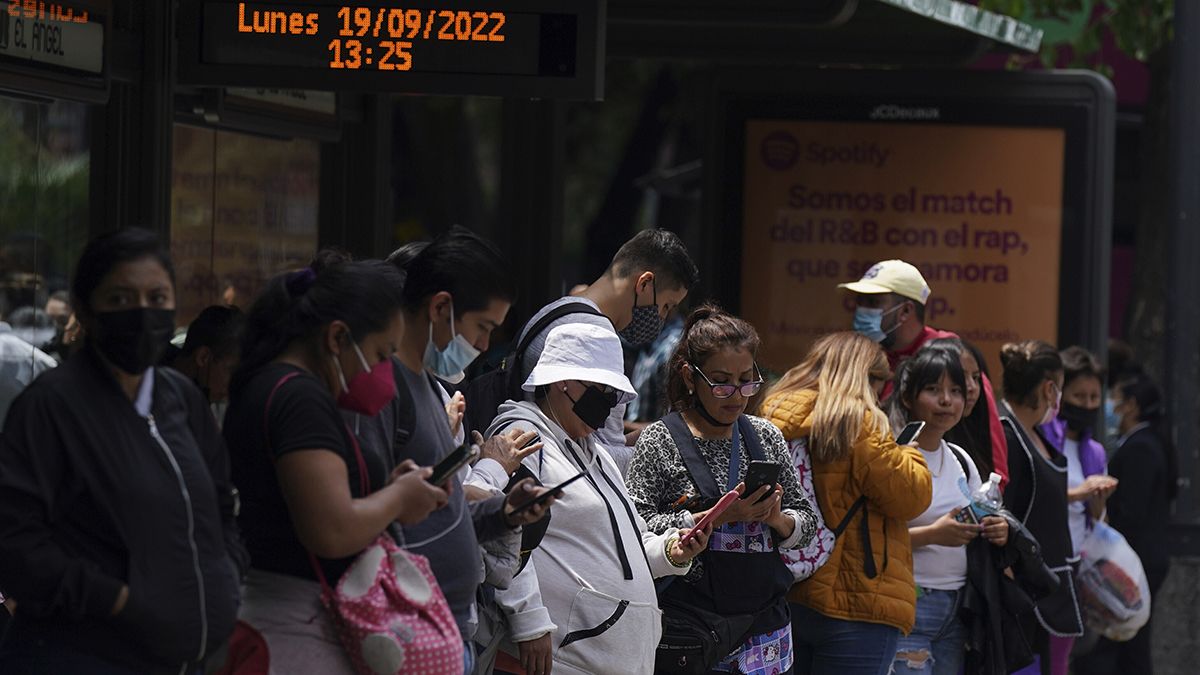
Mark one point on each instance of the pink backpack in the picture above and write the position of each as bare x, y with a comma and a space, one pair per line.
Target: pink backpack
804, 562
388, 609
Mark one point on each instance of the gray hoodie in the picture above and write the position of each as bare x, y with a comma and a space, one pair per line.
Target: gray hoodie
575, 581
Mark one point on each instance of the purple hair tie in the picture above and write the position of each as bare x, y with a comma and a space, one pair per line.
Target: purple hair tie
300, 281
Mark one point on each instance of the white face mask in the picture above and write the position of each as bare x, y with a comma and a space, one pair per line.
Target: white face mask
450, 363
1052, 411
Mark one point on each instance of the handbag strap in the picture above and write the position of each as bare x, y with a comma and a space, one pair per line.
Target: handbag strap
364, 484
698, 469
869, 567
753, 442
961, 461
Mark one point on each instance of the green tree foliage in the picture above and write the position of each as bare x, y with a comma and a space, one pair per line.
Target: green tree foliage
1075, 28
1143, 30
43, 207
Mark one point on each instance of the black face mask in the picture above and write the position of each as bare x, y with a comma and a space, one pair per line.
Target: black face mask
134, 339
646, 323
1078, 419
594, 407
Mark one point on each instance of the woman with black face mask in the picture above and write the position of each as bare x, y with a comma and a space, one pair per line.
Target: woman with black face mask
117, 536
1148, 467
585, 602
1071, 432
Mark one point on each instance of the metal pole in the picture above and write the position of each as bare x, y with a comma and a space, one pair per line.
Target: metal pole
1183, 288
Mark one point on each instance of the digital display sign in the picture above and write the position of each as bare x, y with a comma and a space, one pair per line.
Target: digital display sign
502, 47
54, 48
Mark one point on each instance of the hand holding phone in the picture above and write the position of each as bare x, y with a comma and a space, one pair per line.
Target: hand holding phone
554, 492
452, 462
759, 474
508, 449
966, 515
712, 515
910, 433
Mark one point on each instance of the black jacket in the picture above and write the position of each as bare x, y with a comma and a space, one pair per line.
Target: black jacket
1140, 509
1037, 496
997, 610
93, 496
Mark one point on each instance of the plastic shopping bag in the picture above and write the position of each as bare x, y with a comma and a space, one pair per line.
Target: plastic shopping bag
1113, 591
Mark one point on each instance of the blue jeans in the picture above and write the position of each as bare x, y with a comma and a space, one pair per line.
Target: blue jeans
938, 641
828, 646
468, 657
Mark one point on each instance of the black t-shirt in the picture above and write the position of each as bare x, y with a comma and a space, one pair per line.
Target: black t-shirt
302, 416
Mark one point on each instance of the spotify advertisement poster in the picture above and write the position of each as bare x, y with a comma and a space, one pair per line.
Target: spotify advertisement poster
977, 209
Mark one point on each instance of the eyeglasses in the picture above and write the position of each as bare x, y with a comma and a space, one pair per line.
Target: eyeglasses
748, 389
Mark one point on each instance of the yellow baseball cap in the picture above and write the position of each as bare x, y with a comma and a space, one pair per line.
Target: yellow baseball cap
891, 276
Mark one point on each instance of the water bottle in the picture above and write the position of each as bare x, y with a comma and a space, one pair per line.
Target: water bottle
987, 500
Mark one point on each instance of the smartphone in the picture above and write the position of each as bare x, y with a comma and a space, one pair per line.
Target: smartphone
758, 474
966, 515
452, 462
725, 502
910, 432
555, 491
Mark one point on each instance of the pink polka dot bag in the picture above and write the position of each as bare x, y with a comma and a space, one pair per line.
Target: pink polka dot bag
389, 612
391, 615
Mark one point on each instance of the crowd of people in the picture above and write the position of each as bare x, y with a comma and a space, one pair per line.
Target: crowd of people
316, 485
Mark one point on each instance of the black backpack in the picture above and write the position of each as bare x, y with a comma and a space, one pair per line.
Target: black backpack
487, 392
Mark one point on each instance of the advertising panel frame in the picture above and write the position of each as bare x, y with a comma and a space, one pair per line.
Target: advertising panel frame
1081, 103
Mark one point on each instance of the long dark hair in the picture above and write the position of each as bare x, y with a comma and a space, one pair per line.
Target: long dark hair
924, 368
296, 306
974, 433
708, 330
1152, 410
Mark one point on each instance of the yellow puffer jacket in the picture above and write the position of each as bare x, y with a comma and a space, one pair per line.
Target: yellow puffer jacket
898, 488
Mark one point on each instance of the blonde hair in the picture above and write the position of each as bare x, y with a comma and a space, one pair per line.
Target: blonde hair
839, 367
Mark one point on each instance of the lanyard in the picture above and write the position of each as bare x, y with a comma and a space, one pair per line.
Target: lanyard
735, 460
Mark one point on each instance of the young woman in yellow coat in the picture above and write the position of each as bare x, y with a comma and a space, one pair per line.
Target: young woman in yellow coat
848, 616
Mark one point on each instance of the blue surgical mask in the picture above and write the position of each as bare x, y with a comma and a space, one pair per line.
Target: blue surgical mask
868, 321
1112, 421
450, 364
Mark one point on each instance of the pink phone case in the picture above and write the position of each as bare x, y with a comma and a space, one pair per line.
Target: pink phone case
726, 501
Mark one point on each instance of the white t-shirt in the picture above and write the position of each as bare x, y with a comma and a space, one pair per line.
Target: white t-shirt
1076, 511
944, 568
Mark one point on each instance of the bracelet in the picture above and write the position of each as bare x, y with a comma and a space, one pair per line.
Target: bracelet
667, 553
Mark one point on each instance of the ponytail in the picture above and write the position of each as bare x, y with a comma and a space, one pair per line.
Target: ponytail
296, 306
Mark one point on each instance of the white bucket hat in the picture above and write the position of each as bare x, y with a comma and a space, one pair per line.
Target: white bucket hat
584, 352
